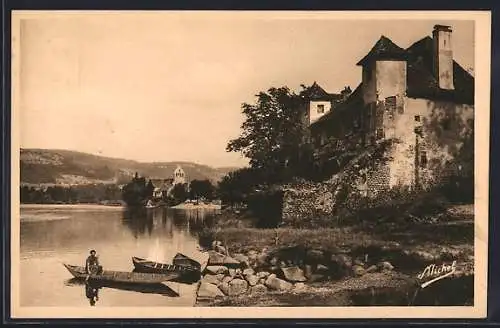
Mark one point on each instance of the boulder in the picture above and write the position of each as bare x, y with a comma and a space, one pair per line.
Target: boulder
220, 276
217, 258
293, 274
258, 289
275, 283
308, 271
385, 266
317, 277
358, 270
299, 286
262, 259
252, 279
224, 287
227, 279
248, 271
237, 287
275, 269
208, 290
252, 255
263, 274
241, 258
372, 268
322, 268
211, 279
216, 269
274, 261
314, 256
232, 272
342, 260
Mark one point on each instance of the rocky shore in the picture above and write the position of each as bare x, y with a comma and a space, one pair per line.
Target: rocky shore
249, 278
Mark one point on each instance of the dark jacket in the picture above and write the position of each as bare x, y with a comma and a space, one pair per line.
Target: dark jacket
92, 262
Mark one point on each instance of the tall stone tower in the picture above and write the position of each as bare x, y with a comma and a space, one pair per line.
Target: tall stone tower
179, 176
443, 56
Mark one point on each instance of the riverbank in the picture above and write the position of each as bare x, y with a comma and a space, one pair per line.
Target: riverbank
190, 206
72, 206
356, 264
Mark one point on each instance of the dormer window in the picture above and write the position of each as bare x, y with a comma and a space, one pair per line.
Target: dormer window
321, 109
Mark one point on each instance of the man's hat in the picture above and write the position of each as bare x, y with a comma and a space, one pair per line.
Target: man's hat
92, 251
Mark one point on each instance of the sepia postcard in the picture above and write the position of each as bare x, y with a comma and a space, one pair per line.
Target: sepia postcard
188, 164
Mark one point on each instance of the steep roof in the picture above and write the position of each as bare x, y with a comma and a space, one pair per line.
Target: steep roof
316, 92
384, 49
354, 99
421, 82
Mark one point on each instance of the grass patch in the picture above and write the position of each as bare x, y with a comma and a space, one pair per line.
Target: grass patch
244, 239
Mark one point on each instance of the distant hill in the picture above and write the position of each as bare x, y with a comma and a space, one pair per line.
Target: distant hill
50, 166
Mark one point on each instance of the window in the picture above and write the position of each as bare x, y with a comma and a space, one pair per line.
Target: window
390, 104
423, 158
321, 109
380, 133
417, 118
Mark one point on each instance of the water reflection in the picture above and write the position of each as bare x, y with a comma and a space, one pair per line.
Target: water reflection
118, 234
92, 293
92, 288
142, 221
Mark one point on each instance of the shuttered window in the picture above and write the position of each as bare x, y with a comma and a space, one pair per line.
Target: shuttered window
390, 104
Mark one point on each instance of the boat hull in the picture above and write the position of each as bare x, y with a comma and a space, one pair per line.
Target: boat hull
121, 276
186, 274
183, 260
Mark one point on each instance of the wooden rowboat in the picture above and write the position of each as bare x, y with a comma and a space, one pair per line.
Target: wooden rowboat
186, 273
122, 277
183, 260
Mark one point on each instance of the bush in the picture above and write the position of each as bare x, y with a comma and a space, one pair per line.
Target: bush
267, 207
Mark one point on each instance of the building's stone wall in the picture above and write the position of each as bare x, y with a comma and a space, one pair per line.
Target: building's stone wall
305, 201
431, 135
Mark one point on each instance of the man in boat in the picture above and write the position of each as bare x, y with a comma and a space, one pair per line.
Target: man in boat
92, 264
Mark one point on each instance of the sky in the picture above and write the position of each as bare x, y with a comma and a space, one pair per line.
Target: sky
169, 87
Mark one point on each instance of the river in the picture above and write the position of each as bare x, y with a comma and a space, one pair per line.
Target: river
52, 235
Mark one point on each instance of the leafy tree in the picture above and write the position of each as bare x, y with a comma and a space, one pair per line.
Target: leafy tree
149, 189
272, 133
237, 185
137, 192
179, 193
201, 188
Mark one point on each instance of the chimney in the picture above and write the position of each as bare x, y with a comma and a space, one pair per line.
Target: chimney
443, 56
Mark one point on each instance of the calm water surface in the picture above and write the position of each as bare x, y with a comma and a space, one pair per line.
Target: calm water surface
52, 235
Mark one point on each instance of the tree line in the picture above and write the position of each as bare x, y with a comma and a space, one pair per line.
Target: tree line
137, 192
83, 194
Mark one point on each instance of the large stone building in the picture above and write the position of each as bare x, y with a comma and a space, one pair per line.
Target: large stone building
419, 98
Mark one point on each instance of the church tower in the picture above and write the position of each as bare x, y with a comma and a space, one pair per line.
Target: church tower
179, 176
